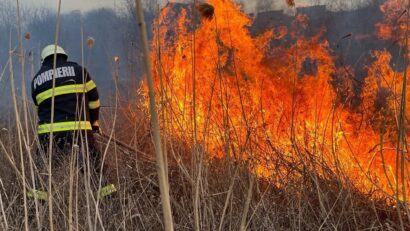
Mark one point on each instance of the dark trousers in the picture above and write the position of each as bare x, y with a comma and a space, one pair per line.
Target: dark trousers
66, 144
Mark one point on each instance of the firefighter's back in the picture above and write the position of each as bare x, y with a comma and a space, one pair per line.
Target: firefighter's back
71, 85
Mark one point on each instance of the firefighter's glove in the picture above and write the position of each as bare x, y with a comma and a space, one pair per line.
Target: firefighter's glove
96, 126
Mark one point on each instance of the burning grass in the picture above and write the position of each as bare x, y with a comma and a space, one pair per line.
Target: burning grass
240, 96
305, 200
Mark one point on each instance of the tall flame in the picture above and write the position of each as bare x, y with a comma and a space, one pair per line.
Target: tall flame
240, 96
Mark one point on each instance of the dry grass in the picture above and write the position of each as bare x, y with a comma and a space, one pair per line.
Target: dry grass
303, 201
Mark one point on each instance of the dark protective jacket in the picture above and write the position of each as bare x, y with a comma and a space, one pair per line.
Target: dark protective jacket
76, 105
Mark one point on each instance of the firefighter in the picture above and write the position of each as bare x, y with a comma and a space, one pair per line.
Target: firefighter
76, 111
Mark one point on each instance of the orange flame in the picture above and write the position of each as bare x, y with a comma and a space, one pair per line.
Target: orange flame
239, 96
394, 26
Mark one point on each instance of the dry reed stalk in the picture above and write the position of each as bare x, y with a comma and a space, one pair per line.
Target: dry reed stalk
8, 156
382, 131
404, 158
228, 198
401, 140
71, 186
50, 147
21, 55
13, 164
4, 222
32, 113
110, 139
225, 115
163, 94
163, 181
112, 134
330, 211
87, 175
3, 72
198, 162
262, 204
26, 134
20, 142
243, 224
77, 212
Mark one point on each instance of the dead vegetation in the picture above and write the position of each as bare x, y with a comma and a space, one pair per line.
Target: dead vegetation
301, 200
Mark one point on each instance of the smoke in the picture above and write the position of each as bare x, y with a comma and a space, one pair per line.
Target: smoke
333, 5
263, 5
249, 6
255, 6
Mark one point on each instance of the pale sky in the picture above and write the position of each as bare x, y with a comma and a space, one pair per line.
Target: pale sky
70, 5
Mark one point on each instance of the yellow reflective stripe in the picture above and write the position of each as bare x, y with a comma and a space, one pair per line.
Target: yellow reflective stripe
64, 126
37, 194
94, 104
69, 89
63, 90
90, 85
107, 190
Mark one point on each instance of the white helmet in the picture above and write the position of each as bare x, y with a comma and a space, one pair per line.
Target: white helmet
49, 50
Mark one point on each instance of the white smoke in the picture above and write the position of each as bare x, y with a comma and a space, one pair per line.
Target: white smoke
255, 6
250, 6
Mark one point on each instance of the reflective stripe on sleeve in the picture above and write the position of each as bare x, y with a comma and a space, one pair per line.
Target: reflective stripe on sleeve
64, 126
94, 104
90, 85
